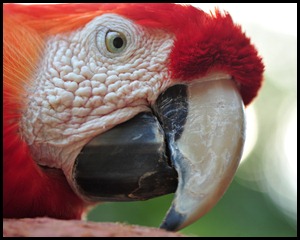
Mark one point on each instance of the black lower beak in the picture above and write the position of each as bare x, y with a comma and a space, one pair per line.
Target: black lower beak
126, 163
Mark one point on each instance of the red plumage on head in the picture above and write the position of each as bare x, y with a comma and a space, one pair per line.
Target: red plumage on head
216, 43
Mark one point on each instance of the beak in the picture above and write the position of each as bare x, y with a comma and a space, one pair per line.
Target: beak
208, 150
191, 144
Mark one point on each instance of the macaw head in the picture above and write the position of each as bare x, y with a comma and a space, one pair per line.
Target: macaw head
123, 102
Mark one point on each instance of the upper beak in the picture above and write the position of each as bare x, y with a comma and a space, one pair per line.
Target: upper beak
191, 142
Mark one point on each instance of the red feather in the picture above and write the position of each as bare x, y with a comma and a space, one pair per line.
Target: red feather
28, 191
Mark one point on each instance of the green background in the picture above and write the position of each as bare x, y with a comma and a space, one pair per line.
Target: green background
241, 212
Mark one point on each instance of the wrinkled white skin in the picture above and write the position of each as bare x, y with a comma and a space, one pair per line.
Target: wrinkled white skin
82, 89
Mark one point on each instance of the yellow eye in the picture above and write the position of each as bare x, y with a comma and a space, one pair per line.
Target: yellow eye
115, 41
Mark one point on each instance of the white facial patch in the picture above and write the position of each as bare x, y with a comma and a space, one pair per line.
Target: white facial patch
83, 87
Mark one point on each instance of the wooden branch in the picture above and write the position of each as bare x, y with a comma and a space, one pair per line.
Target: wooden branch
49, 227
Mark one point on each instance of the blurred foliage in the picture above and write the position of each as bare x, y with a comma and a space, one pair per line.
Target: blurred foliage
241, 212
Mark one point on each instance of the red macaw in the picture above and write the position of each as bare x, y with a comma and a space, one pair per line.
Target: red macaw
122, 102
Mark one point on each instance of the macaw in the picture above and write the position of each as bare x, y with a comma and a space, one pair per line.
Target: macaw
122, 102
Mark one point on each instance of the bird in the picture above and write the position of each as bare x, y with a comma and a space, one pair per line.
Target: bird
122, 102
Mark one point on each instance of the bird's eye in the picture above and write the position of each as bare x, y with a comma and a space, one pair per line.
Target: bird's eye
115, 41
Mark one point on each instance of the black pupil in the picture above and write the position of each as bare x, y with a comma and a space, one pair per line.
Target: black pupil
118, 42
